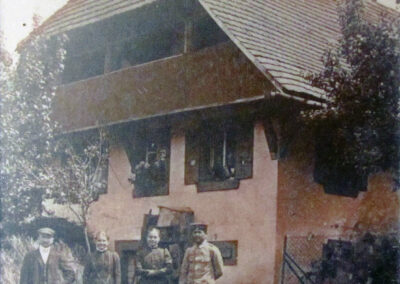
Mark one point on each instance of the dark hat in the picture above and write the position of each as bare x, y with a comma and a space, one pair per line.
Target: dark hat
46, 231
198, 227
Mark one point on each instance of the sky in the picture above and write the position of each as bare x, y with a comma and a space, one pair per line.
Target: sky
16, 16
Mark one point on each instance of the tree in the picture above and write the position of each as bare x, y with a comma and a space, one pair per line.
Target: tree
31, 143
81, 174
27, 130
359, 126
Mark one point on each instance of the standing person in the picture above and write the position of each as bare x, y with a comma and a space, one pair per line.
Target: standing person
103, 266
202, 263
47, 265
153, 264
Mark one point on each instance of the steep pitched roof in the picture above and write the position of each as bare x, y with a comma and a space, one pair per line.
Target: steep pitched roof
283, 38
78, 13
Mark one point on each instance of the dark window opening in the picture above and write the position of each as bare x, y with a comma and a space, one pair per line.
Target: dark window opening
217, 162
331, 169
85, 53
148, 153
229, 251
83, 66
207, 33
138, 40
219, 156
160, 43
131, 39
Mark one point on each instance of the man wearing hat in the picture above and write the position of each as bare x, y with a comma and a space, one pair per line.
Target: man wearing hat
47, 265
202, 262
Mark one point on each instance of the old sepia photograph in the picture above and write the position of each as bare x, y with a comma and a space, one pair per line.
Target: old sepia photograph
200, 141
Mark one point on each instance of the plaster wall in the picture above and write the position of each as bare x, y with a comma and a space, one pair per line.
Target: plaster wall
305, 210
247, 214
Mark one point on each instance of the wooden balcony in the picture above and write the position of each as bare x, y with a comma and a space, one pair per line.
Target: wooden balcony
213, 76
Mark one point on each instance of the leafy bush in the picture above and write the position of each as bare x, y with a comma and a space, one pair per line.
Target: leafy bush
13, 250
371, 259
358, 126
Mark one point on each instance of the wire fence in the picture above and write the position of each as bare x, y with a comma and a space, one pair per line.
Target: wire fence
368, 258
300, 253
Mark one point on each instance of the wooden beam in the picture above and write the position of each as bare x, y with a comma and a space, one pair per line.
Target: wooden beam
188, 42
272, 138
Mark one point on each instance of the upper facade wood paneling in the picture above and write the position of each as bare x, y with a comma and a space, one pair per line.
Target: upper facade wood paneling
285, 39
214, 76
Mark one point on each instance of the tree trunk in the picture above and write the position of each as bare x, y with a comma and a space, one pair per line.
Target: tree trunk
85, 231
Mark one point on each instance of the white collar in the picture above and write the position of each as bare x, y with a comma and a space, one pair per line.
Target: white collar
44, 253
44, 249
203, 244
101, 251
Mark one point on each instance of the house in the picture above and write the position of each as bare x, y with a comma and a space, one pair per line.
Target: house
203, 100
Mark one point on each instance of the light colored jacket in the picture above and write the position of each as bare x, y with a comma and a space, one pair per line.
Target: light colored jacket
201, 264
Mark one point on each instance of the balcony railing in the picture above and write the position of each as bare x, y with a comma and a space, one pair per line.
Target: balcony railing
213, 76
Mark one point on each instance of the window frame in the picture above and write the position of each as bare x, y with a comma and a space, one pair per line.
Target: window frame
194, 158
136, 145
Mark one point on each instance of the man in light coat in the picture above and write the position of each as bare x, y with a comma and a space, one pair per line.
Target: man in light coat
202, 263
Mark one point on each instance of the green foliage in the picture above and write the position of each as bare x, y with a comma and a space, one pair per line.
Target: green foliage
370, 259
361, 79
13, 250
35, 164
27, 91
80, 174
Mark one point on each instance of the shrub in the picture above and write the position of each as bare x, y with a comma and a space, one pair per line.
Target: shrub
13, 250
371, 259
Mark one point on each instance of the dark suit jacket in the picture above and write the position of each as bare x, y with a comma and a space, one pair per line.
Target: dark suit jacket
58, 269
102, 268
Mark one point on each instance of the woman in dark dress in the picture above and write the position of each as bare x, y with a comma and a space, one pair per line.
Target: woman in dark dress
153, 264
103, 266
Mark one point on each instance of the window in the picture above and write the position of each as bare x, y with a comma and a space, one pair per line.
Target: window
83, 66
85, 53
219, 156
207, 33
331, 171
137, 40
217, 162
148, 153
162, 42
229, 251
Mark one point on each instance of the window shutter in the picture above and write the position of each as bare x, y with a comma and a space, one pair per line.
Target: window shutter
103, 175
244, 152
125, 134
331, 171
192, 155
134, 144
